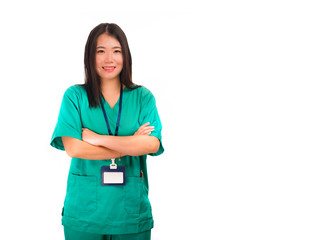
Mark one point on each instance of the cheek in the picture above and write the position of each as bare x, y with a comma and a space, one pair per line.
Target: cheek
119, 60
98, 60
98, 64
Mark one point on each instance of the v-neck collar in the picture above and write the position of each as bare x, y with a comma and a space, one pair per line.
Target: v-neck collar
105, 102
112, 112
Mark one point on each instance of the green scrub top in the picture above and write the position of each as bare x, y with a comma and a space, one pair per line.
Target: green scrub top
88, 206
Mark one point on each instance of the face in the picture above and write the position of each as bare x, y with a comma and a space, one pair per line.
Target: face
109, 59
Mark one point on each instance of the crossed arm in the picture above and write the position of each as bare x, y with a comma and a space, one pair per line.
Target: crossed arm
99, 147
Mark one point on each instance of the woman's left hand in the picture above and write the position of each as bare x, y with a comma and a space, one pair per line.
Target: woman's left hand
90, 137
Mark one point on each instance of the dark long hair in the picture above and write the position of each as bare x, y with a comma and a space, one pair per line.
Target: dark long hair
92, 79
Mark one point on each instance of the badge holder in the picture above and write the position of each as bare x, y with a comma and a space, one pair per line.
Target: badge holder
113, 175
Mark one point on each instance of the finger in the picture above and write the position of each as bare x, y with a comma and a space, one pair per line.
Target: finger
146, 124
143, 132
149, 127
137, 132
146, 132
142, 127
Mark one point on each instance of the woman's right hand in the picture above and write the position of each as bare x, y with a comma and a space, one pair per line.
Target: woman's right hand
144, 130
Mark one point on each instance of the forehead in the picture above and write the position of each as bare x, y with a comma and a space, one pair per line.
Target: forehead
107, 41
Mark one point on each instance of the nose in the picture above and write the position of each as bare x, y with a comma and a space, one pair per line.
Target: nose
108, 57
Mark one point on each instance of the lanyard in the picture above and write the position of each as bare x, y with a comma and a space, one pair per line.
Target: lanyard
119, 114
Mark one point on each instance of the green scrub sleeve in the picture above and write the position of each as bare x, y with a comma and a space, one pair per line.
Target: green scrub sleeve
69, 121
149, 113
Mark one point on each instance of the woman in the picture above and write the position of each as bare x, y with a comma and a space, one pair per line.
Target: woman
108, 125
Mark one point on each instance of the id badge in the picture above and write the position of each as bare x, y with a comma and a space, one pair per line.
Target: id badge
113, 176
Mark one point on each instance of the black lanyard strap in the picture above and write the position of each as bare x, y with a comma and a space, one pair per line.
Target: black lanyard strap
119, 114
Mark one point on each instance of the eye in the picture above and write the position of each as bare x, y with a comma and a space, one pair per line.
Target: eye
117, 51
100, 51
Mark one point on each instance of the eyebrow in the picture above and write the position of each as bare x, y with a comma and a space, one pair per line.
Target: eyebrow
112, 47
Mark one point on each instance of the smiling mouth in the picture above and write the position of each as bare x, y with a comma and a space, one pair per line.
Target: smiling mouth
108, 69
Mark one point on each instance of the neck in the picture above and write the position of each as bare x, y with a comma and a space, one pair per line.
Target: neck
110, 86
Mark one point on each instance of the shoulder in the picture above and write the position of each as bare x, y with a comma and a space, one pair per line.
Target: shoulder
142, 92
145, 91
145, 96
75, 91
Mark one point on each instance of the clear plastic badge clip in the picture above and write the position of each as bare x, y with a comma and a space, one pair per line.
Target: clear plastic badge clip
113, 165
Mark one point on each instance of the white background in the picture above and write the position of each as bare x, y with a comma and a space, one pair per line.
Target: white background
237, 89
